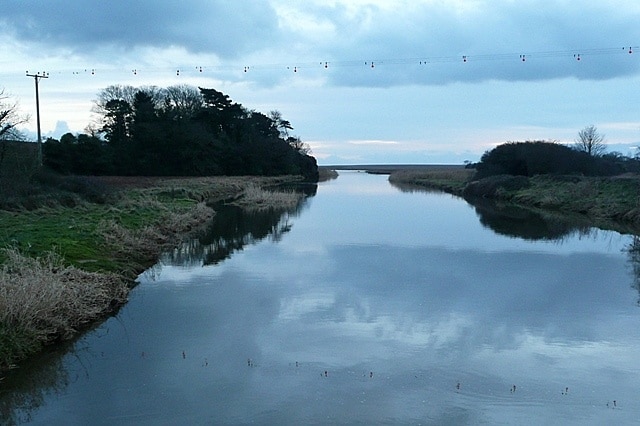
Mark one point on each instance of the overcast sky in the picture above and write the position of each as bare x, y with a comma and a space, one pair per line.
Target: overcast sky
361, 81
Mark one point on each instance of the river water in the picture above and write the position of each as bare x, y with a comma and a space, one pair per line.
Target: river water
368, 304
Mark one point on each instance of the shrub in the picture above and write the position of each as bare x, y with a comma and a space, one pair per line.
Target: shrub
540, 157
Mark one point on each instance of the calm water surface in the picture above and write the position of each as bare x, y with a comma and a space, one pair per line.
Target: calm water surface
369, 304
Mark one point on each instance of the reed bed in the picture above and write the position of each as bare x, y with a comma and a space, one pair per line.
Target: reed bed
144, 245
256, 198
42, 300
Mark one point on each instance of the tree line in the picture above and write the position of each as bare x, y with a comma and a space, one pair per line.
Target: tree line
586, 157
179, 131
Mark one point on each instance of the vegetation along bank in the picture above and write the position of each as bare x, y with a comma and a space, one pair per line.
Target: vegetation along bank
64, 267
546, 175
80, 218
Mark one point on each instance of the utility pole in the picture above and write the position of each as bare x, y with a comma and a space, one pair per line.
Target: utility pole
37, 76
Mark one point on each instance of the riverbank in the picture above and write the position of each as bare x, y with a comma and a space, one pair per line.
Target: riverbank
63, 268
609, 202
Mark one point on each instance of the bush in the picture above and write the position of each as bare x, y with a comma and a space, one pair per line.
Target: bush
540, 157
42, 187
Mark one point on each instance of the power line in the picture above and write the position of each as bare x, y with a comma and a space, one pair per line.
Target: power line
296, 66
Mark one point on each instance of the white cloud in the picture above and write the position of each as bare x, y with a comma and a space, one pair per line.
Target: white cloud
372, 142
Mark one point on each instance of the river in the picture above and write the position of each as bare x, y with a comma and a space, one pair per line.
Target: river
367, 304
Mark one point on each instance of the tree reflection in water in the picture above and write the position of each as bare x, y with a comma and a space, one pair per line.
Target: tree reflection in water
633, 249
25, 389
514, 221
233, 228
532, 225
518, 222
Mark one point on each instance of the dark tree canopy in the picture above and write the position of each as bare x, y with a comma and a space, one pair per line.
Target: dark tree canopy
541, 157
181, 131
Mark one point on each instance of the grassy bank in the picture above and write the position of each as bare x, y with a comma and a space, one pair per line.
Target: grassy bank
63, 267
610, 202
601, 198
452, 180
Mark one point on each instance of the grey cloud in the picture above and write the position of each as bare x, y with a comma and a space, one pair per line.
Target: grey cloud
225, 28
412, 44
493, 37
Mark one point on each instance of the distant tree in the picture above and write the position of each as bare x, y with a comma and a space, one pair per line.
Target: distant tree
10, 118
221, 113
114, 106
590, 141
92, 130
147, 135
182, 130
541, 157
182, 102
117, 120
297, 144
281, 124
111, 93
533, 158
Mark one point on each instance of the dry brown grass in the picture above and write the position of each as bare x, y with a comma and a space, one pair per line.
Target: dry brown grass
46, 300
147, 243
256, 198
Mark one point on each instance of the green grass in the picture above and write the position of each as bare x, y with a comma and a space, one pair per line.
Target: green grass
609, 198
102, 247
73, 233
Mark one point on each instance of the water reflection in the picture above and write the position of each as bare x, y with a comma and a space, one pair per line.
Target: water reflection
518, 222
26, 388
232, 229
514, 221
633, 250
341, 328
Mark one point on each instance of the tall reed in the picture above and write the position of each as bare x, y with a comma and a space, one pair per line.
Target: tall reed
41, 300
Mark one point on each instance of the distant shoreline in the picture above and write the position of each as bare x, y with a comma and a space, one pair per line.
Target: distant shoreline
390, 168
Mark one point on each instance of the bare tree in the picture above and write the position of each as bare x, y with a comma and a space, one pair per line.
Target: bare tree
297, 144
10, 118
106, 96
590, 141
183, 100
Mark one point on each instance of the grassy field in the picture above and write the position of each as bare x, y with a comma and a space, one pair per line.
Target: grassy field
64, 267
